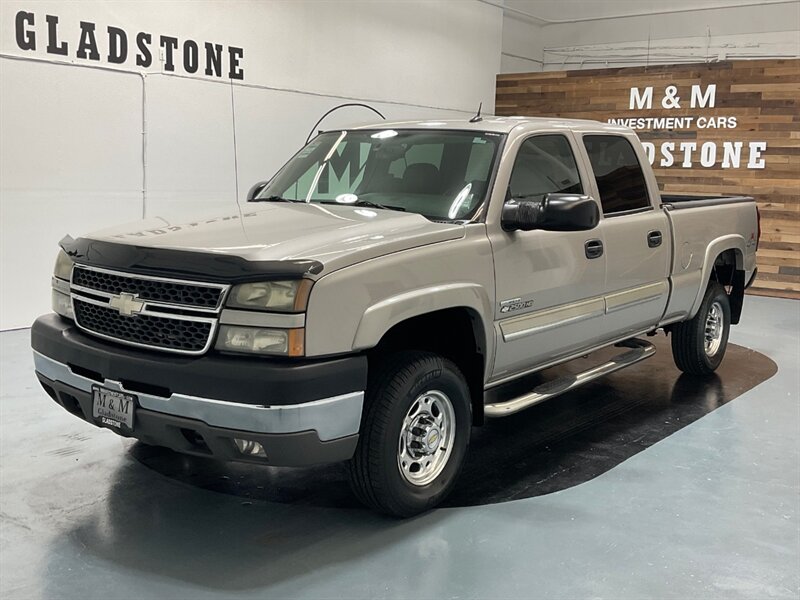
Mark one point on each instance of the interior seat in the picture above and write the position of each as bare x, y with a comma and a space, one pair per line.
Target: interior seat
421, 178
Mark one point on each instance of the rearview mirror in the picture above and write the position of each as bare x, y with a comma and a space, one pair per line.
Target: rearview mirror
256, 190
556, 212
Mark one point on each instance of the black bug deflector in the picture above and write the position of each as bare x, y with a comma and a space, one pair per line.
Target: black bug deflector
168, 262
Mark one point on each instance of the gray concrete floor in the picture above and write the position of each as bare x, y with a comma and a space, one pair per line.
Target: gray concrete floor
709, 512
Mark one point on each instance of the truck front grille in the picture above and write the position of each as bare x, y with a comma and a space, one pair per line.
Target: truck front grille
152, 312
157, 332
157, 290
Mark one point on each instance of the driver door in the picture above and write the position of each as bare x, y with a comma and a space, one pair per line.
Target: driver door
549, 286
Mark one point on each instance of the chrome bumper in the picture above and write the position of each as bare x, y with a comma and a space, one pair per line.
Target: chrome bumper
331, 418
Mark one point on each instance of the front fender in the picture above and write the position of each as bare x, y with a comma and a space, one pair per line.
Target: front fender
382, 316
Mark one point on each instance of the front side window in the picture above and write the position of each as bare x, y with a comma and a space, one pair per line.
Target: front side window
619, 176
544, 165
442, 175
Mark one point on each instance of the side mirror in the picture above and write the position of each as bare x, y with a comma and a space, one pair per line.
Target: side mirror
256, 190
556, 212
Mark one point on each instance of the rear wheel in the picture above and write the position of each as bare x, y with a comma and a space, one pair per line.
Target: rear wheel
699, 344
414, 434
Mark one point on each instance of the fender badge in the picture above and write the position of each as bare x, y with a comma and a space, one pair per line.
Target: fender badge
514, 304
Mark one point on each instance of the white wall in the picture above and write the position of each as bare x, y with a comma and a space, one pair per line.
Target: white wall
85, 147
522, 45
761, 30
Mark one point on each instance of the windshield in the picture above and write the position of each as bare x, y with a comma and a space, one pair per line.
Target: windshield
442, 175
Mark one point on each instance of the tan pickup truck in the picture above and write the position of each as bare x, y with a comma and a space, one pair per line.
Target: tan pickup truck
372, 300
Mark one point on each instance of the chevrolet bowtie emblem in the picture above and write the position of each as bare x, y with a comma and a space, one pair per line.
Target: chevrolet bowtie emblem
127, 304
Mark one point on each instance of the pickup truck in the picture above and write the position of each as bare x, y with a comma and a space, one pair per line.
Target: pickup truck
371, 302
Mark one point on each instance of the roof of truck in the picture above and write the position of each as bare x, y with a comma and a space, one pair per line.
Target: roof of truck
498, 124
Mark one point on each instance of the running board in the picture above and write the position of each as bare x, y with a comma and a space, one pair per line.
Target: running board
640, 350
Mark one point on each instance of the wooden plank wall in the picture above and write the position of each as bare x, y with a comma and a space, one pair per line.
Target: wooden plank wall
762, 94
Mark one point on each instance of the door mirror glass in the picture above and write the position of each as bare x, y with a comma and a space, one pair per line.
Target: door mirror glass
556, 212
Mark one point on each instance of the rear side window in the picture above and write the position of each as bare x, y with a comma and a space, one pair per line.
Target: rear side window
544, 165
618, 173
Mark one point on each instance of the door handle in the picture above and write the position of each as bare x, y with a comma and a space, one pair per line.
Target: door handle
593, 248
654, 239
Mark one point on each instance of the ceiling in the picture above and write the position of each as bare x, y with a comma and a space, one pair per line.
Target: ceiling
559, 10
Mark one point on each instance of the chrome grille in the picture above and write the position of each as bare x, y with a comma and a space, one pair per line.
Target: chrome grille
152, 312
158, 290
157, 332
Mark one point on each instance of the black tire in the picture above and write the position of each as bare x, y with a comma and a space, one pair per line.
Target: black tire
689, 337
375, 473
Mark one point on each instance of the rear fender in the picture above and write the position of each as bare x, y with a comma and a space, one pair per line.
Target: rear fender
715, 248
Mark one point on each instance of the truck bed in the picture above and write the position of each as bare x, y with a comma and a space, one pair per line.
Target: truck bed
699, 235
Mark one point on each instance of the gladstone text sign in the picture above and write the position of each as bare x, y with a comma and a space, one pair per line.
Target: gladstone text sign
722, 128
701, 99
115, 45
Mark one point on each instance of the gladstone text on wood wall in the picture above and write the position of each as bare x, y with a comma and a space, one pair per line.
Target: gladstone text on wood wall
725, 128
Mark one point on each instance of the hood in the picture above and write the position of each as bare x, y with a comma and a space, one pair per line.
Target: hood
336, 236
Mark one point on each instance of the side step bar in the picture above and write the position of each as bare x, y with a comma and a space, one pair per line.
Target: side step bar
640, 350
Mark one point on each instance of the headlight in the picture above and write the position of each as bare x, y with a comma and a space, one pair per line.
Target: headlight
260, 340
63, 268
278, 296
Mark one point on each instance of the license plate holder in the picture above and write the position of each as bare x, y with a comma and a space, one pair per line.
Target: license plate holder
114, 409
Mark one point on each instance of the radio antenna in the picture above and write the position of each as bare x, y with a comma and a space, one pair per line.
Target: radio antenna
335, 108
478, 116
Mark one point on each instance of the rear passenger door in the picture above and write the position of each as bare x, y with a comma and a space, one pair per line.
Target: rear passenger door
636, 234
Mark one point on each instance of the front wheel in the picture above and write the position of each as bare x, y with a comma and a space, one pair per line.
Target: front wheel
699, 344
414, 434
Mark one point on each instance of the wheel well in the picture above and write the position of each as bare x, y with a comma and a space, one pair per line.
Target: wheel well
728, 270
455, 333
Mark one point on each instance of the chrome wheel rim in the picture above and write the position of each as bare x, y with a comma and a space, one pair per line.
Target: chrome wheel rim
426, 438
715, 325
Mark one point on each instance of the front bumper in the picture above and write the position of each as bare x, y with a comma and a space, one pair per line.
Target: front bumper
301, 412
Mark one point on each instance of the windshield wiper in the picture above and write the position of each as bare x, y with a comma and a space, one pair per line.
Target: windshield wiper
376, 205
366, 203
275, 199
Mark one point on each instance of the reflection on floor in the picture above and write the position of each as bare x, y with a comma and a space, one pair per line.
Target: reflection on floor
580, 435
